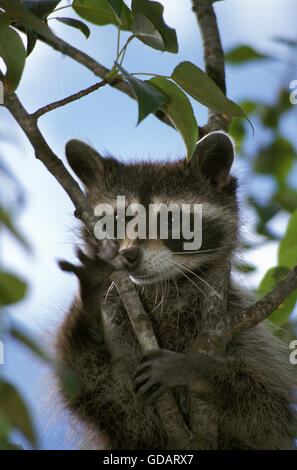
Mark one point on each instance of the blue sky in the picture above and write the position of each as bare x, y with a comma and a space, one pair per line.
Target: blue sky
107, 120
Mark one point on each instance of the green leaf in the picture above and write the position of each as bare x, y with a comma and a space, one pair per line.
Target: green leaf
5, 219
154, 12
5, 425
6, 445
75, 24
144, 30
117, 7
40, 8
237, 131
197, 84
287, 252
148, 97
13, 53
102, 12
270, 280
17, 10
179, 110
241, 54
12, 289
270, 116
249, 107
5, 19
13, 405
245, 268
286, 197
31, 39
276, 159
265, 213
272, 277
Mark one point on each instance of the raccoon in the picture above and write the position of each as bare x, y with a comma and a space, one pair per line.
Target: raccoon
254, 393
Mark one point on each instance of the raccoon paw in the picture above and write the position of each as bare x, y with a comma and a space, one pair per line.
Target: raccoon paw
95, 268
158, 372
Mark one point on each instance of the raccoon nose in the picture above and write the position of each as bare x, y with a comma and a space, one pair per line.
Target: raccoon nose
132, 256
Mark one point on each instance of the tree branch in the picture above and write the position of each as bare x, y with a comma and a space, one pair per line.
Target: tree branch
258, 312
204, 417
180, 436
69, 99
214, 342
213, 59
98, 69
103, 72
204, 421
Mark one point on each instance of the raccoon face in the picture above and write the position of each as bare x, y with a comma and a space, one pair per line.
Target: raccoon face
170, 218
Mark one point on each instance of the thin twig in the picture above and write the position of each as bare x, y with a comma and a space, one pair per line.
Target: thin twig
99, 70
94, 66
69, 99
103, 72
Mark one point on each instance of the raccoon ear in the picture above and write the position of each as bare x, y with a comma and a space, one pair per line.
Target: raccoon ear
86, 163
213, 157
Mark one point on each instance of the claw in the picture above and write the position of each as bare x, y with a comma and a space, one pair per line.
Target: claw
65, 266
81, 255
138, 385
141, 370
150, 393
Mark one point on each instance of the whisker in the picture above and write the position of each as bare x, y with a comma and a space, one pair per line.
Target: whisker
200, 279
108, 292
191, 280
178, 298
189, 252
163, 293
165, 285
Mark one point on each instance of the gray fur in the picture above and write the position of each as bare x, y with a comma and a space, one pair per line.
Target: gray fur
254, 392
